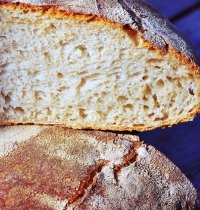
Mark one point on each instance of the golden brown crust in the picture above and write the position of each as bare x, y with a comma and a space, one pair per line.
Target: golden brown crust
172, 53
61, 168
137, 127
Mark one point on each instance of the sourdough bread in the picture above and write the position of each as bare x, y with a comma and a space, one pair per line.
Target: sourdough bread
110, 65
58, 168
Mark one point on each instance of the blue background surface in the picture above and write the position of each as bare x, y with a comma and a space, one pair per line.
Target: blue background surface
181, 143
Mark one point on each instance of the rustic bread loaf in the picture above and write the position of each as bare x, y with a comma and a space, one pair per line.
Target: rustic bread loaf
105, 64
58, 168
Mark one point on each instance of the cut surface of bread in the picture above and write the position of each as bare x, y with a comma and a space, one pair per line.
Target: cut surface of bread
51, 167
83, 71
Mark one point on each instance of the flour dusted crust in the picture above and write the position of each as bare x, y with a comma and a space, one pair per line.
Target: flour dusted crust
58, 168
136, 14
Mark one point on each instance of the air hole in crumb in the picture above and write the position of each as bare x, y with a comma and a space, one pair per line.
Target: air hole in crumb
146, 108
52, 26
82, 72
128, 106
175, 94
122, 98
147, 90
82, 48
102, 115
191, 91
59, 75
151, 115
49, 112
160, 83
179, 85
57, 118
145, 98
156, 100
19, 110
104, 93
165, 117
63, 88
46, 55
180, 112
145, 78
7, 98
157, 67
157, 119
14, 44
81, 84
34, 73
82, 113
36, 94
134, 75
100, 100
171, 103
118, 77
110, 108
169, 78
23, 93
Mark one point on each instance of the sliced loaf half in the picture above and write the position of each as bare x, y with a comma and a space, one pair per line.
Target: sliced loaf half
106, 64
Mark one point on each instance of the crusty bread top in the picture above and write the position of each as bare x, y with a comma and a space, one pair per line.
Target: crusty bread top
137, 14
45, 167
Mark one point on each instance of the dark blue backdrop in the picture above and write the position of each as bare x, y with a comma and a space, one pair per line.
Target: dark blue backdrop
181, 143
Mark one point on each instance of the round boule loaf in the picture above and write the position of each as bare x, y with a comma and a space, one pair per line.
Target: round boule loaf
51, 167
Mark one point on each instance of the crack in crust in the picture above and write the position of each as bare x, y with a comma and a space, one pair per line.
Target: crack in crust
87, 184
136, 20
128, 159
157, 30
